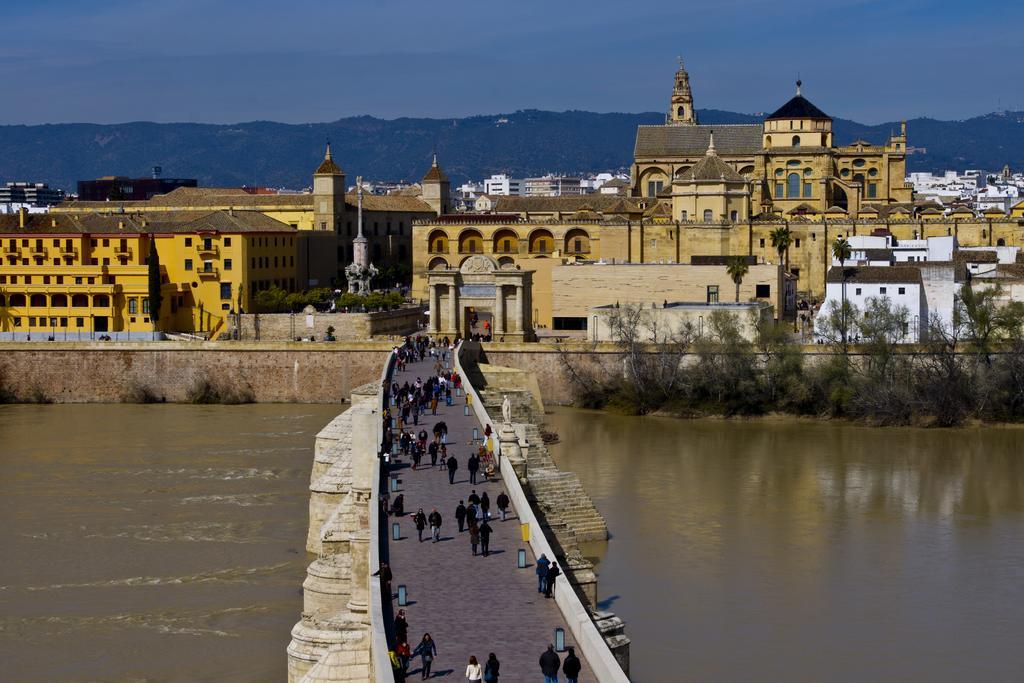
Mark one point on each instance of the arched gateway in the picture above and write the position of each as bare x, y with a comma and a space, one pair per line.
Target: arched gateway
499, 292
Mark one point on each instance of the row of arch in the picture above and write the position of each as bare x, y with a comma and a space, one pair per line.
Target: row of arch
507, 241
54, 300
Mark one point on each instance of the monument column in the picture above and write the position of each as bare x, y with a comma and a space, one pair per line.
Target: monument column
435, 309
498, 327
520, 308
453, 308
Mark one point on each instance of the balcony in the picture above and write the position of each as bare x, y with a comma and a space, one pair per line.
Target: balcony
11, 251
69, 252
208, 274
122, 252
209, 251
37, 252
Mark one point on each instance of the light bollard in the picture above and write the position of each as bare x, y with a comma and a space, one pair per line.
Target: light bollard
396, 531
559, 637
465, 410
476, 433
403, 595
458, 391
522, 559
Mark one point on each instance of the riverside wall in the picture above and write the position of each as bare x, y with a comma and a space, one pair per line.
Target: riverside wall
310, 323
106, 372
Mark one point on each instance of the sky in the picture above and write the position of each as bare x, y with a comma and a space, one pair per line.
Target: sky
215, 61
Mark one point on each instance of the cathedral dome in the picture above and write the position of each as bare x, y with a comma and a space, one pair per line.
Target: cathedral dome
799, 108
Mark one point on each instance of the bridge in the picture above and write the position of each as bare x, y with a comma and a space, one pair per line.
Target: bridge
470, 605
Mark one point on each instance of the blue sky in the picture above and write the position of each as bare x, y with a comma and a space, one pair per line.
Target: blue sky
301, 61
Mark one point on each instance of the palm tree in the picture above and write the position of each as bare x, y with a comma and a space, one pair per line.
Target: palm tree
841, 252
781, 239
737, 267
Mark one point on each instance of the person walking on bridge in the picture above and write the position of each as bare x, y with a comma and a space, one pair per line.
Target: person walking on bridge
427, 650
503, 502
435, 525
485, 538
492, 669
549, 580
549, 664
542, 571
421, 523
473, 465
485, 505
474, 672
571, 666
453, 465
460, 516
474, 537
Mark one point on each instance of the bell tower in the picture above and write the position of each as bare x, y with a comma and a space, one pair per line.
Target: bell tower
680, 110
328, 194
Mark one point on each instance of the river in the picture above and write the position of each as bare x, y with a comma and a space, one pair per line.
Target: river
806, 551
153, 542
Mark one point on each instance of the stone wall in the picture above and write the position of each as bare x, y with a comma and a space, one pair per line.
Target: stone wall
309, 323
98, 372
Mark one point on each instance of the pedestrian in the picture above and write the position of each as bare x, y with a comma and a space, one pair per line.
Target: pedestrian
385, 577
571, 666
485, 505
422, 436
427, 650
474, 672
432, 450
453, 465
473, 465
491, 669
549, 664
398, 505
417, 455
474, 537
471, 514
421, 523
404, 654
473, 498
460, 516
485, 538
444, 456
503, 502
549, 580
542, 571
433, 405
401, 625
435, 525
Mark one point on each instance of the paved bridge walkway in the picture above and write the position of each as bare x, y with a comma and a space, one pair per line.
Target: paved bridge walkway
469, 605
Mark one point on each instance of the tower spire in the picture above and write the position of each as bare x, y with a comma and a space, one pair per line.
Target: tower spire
798, 84
680, 109
711, 144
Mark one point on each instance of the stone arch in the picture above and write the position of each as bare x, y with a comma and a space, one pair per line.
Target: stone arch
478, 263
652, 179
100, 300
542, 242
681, 170
796, 140
471, 242
506, 262
37, 301
437, 263
59, 300
768, 141
79, 301
437, 242
505, 241
17, 300
577, 241
1000, 242
747, 171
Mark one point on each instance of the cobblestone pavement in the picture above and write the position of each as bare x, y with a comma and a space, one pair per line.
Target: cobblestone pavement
469, 605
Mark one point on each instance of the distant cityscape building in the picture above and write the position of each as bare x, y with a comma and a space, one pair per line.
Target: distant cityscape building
122, 188
552, 186
30, 194
502, 186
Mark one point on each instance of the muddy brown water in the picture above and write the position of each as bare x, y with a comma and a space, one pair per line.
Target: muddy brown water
787, 550
152, 543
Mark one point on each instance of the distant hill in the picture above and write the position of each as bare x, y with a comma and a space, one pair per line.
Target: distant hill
523, 143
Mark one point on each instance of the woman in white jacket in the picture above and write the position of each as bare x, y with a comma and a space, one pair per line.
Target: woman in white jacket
474, 672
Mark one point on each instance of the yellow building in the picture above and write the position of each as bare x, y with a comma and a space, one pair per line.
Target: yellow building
88, 273
330, 210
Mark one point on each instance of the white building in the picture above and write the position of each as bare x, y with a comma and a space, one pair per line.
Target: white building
552, 186
501, 185
901, 285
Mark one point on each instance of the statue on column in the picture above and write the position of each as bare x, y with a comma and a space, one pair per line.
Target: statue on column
360, 272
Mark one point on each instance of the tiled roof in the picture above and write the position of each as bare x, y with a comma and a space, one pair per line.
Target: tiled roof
165, 222
189, 197
719, 260
389, 202
876, 274
711, 168
606, 204
799, 108
682, 141
972, 256
802, 208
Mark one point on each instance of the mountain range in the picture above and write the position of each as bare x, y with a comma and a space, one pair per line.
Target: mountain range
524, 143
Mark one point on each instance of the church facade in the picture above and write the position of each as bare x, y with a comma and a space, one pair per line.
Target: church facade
790, 161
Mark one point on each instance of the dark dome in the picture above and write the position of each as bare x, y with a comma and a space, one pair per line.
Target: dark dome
799, 108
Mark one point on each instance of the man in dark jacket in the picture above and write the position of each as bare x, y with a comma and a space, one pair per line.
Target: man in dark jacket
549, 663
453, 465
435, 526
460, 516
485, 538
571, 666
542, 571
432, 449
473, 465
503, 502
549, 580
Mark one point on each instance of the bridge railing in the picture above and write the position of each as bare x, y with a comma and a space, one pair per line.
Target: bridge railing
378, 544
588, 639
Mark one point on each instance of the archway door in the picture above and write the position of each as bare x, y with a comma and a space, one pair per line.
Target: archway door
839, 198
477, 320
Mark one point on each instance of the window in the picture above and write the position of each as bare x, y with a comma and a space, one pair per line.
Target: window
133, 306
733, 215
779, 190
796, 140
106, 242
207, 266
225, 291
712, 294
872, 190
79, 322
762, 291
188, 264
568, 323
881, 290
227, 241
707, 215
762, 243
227, 264
797, 242
145, 304
654, 187
857, 291
902, 290
207, 243
793, 182
684, 215
807, 190
188, 241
